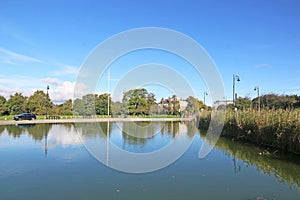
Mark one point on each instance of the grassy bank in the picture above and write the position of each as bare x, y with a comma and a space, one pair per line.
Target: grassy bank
278, 129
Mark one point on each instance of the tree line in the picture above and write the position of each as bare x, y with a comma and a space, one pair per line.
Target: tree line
269, 101
134, 102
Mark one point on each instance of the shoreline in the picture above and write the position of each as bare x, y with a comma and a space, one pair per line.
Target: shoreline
91, 120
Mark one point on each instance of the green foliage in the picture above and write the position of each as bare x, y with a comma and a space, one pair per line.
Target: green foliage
39, 103
101, 104
193, 104
15, 104
279, 129
278, 101
118, 108
85, 106
63, 109
243, 103
138, 101
2, 105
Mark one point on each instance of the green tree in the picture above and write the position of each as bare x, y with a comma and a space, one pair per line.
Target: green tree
243, 103
194, 104
78, 107
16, 103
63, 109
101, 104
138, 101
39, 103
277, 101
118, 108
2, 105
85, 106
89, 104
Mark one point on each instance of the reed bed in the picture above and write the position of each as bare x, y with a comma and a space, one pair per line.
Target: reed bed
279, 129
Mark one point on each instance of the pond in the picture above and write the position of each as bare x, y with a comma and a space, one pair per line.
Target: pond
67, 161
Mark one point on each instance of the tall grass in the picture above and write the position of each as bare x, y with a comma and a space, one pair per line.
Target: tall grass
278, 129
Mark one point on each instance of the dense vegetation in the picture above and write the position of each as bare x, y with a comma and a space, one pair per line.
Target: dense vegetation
274, 128
136, 102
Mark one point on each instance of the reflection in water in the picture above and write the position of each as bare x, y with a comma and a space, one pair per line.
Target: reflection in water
284, 167
144, 136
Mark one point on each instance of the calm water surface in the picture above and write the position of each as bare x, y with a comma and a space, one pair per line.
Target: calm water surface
49, 162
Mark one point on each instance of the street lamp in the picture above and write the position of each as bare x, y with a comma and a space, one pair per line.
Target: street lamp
47, 102
204, 94
235, 78
258, 97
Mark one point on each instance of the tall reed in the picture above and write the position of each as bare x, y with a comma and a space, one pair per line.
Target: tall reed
278, 129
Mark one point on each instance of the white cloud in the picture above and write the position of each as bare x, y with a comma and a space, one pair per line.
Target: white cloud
6, 92
10, 57
59, 91
52, 81
62, 92
60, 135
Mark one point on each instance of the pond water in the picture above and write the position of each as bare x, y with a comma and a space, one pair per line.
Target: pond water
58, 161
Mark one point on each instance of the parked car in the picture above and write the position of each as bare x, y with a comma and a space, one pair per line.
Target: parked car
25, 116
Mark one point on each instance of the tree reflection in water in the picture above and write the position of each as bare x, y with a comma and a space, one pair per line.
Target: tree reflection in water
285, 167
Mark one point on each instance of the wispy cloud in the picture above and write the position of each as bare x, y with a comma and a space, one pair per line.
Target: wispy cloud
65, 70
10, 57
52, 81
264, 65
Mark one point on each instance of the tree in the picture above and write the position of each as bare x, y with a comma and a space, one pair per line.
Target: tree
194, 104
39, 103
63, 109
277, 101
101, 104
78, 107
16, 103
67, 108
243, 103
2, 105
173, 105
85, 106
118, 108
138, 101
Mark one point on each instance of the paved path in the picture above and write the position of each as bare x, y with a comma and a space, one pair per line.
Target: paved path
90, 120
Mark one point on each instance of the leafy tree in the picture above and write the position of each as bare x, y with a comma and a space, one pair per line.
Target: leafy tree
15, 104
39, 103
63, 109
243, 103
78, 107
277, 101
138, 101
118, 108
89, 104
85, 106
2, 105
101, 104
66, 108
194, 105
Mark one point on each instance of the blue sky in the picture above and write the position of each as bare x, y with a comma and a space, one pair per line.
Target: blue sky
45, 42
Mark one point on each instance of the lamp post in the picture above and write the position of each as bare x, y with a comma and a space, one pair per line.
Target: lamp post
204, 94
235, 78
108, 90
47, 102
258, 97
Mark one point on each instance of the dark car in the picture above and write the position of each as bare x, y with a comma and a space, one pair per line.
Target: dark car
25, 116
